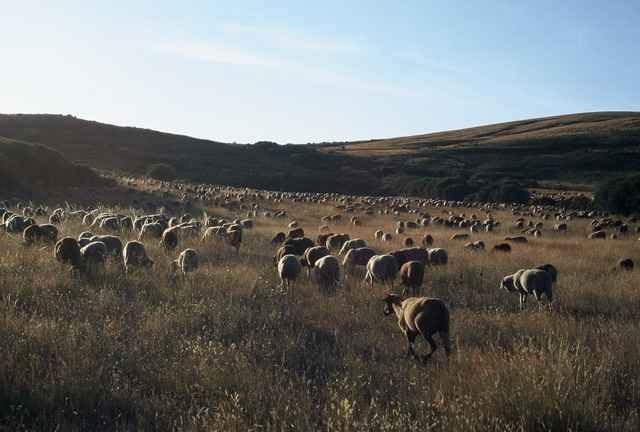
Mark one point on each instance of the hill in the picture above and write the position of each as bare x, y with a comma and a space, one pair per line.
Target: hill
27, 168
579, 148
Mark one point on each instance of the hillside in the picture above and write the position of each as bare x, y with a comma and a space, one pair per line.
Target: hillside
27, 168
579, 148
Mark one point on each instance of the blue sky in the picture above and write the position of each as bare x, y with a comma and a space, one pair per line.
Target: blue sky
313, 71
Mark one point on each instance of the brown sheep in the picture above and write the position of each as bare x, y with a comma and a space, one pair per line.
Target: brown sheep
502, 247
420, 315
411, 276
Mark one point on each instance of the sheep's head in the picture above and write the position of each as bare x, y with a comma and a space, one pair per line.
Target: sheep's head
507, 283
389, 300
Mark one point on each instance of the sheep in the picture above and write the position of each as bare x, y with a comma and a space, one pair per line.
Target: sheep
169, 239
459, 236
86, 234
151, 230
420, 315
67, 251
437, 256
17, 224
381, 268
110, 223
336, 241
561, 227
295, 233
289, 269
502, 247
214, 233
112, 243
408, 242
300, 245
351, 244
322, 238
357, 257
427, 240
233, 237
388, 238
94, 256
516, 239
529, 281
410, 254
327, 272
378, 235
186, 262
551, 269
411, 276
313, 254
135, 256
597, 235
475, 246
624, 264
279, 238
282, 251
46, 233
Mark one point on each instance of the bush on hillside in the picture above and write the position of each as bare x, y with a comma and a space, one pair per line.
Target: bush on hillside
620, 195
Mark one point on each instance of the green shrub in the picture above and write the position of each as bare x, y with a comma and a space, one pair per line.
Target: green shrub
620, 195
162, 171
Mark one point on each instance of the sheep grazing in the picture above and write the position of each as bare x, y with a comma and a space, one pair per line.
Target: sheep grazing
313, 254
502, 247
597, 235
94, 256
516, 239
327, 273
381, 268
526, 282
169, 239
551, 269
408, 242
289, 269
410, 254
437, 257
67, 251
351, 244
459, 236
299, 245
135, 256
279, 238
420, 315
427, 240
43, 234
282, 251
295, 233
186, 262
233, 237
357, 257
322, 238
625, 264
378, 235
476, 246
388, 238
16, 224
151, 230
411, 276
336, 241
112, 243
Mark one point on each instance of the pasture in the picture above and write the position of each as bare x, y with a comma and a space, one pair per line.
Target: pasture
224, 348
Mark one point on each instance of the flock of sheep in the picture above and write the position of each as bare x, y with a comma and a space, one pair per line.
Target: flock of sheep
329, 259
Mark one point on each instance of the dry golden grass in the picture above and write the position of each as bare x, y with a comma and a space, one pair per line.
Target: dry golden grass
224, 349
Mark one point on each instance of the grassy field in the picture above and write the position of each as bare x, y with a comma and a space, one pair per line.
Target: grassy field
225, 349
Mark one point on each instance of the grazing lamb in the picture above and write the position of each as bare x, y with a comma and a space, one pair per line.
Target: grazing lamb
186, 262
151, 230
381, 268
411, 276
67, 251
311, 255
282, 251
437, 257
427, 240
112, 243
336, 241
476, 246
527, 282
289, 269
408, 242
624, 264
279, 238
598, 235
47, 234
516, 239
94, 256
378, 235
169, 239
135, 256
233, 237
420, 315
357, 257
327, 273
502, 247
459, 236
351, 244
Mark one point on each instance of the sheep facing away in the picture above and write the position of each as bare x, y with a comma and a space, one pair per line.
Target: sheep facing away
289, 269
529, 281
135, 256
381, 268
327, 273
412, 275
420, 315
186, 262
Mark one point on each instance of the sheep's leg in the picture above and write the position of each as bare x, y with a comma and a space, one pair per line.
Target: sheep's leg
432, 345
523, 301
411, 337
444, 336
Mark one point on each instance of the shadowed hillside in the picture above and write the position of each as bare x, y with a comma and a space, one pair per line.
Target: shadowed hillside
474, 162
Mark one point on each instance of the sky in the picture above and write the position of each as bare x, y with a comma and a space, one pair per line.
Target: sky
298, 72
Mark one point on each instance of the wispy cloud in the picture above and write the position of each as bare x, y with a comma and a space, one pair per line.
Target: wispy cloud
314, 59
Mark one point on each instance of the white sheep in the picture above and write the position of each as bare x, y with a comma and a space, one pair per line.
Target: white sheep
381, 268
289, 269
